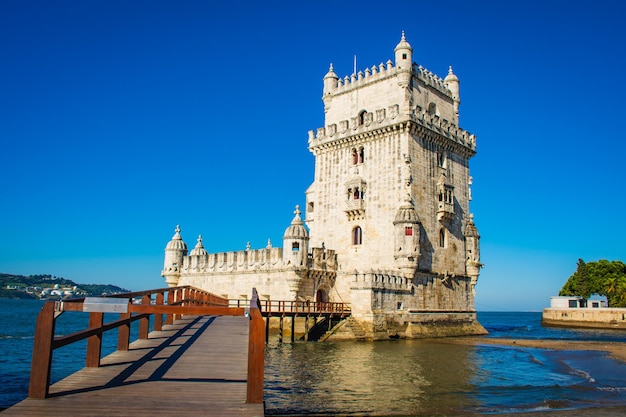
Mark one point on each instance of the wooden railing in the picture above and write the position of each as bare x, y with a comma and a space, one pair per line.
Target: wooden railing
171, 302
276, 307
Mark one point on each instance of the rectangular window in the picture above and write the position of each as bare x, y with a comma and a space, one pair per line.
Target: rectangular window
408, 231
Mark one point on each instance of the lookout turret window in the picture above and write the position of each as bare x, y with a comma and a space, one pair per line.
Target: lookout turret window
357, 236
358, 155
362, 118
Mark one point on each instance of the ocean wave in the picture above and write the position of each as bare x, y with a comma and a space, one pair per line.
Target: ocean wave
583, 374
612, 389
10, 336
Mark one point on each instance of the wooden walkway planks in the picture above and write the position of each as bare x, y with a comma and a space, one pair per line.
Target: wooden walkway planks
196, 367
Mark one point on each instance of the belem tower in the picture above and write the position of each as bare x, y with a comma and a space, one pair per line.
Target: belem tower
387, 226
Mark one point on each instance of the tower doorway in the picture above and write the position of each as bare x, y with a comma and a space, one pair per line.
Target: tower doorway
321, 296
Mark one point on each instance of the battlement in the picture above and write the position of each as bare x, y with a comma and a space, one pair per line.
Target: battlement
431, 79
387, 119
382, 280
245, 260
249, 260
387, 70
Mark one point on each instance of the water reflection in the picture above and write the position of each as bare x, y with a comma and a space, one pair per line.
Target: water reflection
384, 378
431, 377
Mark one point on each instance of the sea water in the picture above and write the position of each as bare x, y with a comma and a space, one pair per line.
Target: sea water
396, 377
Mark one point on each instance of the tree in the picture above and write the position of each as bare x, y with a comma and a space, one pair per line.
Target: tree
601, 277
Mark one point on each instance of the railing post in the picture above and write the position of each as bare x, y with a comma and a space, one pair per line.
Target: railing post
94, 343
256, 352
158, 317
144, 323
178, 296
41, 364
169, 318
123, 334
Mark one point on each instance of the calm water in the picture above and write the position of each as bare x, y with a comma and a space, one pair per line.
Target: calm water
400, 377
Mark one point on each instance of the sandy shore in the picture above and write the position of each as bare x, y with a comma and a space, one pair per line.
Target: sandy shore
616, 350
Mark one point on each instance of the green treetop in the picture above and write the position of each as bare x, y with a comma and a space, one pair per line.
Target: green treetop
602, 277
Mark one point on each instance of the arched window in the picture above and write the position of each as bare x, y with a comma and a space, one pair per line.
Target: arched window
355, 156
361, 155
441, 158
295, 246
357, 194
442, 238
362, 117
349, 193
357, 236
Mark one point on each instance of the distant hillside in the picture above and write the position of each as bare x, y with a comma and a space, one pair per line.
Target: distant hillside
31, 286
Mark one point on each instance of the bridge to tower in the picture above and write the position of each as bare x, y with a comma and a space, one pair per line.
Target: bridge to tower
205, 355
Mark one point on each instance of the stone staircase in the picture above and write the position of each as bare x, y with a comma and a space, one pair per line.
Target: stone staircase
347, 325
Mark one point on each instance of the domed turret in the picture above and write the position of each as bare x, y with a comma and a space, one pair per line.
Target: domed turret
472, 252
175, 250
296, 242
407, 237
404, 54
199, 249
452, 82
330, 81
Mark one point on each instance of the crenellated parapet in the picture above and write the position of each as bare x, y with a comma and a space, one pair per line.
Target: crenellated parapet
383, 71
431, 79
444, 127
239, 261
267, 259
382, 280
385, 120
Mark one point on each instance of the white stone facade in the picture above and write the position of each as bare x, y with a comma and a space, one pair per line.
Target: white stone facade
388, 210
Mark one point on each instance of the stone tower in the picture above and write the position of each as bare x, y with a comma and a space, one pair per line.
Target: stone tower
389, 224
391, 191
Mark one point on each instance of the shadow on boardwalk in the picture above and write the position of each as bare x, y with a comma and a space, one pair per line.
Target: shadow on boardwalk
197, 366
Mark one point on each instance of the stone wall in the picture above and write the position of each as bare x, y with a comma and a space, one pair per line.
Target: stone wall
602, 318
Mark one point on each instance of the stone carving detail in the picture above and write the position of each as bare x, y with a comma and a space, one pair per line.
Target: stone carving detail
380, 115
393, 111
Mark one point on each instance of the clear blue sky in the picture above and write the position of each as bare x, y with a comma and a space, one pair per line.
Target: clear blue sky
121, 119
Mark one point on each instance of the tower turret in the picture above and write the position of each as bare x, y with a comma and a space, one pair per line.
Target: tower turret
175, 250
472, 251
330, 81
404, 61
452, 82
407, 237
330, 85
199, 249
296, 242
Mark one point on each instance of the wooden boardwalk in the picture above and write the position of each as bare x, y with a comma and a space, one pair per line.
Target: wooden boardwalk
196, 367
